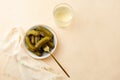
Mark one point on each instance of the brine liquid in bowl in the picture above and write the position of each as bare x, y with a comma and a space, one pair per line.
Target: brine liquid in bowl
63, 14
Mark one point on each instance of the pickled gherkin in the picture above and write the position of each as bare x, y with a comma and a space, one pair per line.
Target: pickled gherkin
33, 32
45, 31
29, 45
38, 53
50, 44
36, 40
32, 39
42, 42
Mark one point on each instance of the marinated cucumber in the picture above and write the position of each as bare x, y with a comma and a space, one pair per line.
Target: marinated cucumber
42, 42
45, 31
29, 45
33, 32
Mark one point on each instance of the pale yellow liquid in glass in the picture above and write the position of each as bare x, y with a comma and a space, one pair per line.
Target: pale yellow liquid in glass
63, 16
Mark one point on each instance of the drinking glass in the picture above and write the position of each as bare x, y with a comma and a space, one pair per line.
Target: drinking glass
63, 14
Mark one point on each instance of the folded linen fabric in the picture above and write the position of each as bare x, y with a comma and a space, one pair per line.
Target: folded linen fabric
15, 64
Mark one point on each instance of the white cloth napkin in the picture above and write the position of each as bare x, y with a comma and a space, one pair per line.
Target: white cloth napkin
15, 64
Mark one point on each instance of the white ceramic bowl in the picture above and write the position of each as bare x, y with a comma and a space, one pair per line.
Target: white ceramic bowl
45, 55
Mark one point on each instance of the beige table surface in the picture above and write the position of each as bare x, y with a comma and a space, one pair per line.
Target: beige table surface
89, 49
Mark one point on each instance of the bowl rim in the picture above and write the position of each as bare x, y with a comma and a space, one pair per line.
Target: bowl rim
51, 52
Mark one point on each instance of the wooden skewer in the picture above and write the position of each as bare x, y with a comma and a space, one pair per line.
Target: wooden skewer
60, 66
